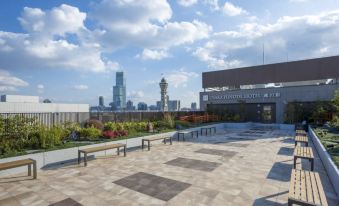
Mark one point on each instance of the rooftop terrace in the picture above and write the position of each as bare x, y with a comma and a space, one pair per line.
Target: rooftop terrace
232, 167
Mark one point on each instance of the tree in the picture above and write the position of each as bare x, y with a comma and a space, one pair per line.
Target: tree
335, 102
47, 101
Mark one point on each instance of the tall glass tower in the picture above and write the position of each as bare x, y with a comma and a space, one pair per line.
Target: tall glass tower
119, 91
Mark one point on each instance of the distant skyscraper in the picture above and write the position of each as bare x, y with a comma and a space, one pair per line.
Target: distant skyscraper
194, 106
142, 106
164, 98
153, 108
129, 105
119, 91
174, 105
101, 101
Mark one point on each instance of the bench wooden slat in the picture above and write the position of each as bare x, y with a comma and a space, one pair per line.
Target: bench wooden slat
321, 190
155, 138
316, 198
102, 148
303, 187
309, 187
292, 186
306, 189
297, 186
17, 163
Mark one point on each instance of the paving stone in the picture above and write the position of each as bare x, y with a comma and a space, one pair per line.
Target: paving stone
152, 185
205, 166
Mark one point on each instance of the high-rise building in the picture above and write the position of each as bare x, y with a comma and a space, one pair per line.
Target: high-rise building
194, 106
101, 101
142, 106
153, 108
174, 105
164, 97
119, 91
129, 106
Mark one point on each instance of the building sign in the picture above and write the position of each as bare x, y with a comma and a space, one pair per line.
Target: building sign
243, 96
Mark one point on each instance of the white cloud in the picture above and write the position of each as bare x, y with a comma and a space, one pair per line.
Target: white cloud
45, 45
231, 10
148, 54
311, 34
80, 87
135, 95
9, 82
187, 3
40, 86
214, 4
144, 24
180, 78
299, 1
58, 21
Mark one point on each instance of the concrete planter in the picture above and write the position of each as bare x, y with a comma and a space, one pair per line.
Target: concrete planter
55, 157
328, 163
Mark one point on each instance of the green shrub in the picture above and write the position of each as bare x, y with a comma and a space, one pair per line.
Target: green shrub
110, 126
94, 123
90, 133
184, 124
169, 120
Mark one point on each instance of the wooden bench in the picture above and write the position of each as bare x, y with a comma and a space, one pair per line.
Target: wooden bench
209, 129
98, 149
303, 153
306, 189
150, 139
301, 139
187, 132
300, 132
20, 163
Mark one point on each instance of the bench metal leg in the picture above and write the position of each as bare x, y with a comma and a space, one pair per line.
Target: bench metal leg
290, 203
149, 145
79, 157
312, 164
85, 158
170, 139
178, 136
34, 170
29, 170
294, 162
142, 144
125, 151
118, 151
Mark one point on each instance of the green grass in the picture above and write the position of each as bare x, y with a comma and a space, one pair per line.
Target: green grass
330, 139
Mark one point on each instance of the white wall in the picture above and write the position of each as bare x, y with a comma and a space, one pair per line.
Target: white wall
17, 107
19, 98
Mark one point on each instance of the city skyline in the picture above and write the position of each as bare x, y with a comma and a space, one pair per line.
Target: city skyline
69, 51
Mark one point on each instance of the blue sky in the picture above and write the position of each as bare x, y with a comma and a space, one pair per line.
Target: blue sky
68, 51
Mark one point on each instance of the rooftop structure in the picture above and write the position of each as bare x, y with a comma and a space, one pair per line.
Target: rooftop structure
262, 93
239, 167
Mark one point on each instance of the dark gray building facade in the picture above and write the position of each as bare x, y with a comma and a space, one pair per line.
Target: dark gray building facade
264, 91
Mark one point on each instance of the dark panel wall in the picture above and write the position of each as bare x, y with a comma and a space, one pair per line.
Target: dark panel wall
313, 69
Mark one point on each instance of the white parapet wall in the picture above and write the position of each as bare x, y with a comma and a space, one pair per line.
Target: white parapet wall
330, 167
